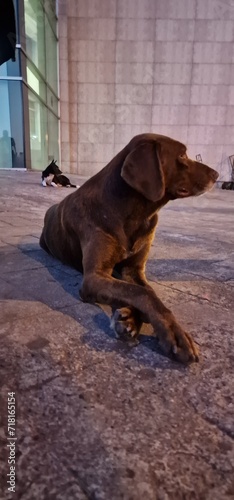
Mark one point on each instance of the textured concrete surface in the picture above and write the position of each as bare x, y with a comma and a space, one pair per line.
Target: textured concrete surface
95, 419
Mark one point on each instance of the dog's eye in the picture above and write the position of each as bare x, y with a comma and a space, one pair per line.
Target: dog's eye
181, 161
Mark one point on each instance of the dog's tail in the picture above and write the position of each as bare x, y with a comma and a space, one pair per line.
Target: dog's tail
73, 186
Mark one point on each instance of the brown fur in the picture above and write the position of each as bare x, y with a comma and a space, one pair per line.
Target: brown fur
105, 230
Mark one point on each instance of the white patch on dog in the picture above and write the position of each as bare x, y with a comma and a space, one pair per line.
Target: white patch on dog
46, 181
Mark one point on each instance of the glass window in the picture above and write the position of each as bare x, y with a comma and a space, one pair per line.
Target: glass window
50, 8
35, 33
51, 58
17, 23
53, 137
35, 81
11, 125
11, 68
38, 132
39, 96
52, 101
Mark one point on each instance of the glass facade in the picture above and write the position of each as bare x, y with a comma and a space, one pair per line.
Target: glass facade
11, 125
29, 121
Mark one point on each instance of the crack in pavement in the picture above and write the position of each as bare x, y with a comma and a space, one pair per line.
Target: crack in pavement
212, 421
212, 302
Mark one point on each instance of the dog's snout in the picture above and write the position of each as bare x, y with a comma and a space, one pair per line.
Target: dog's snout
214, 175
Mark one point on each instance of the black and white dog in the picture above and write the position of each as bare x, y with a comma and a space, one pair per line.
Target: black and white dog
228, 185
52, 176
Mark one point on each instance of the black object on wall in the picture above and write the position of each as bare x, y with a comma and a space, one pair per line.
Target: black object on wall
7, 31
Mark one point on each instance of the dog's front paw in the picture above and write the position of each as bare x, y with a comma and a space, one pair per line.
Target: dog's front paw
178, 344
126, 324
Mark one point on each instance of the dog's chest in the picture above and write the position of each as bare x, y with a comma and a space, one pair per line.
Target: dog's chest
132, 249
139, 235
49, 179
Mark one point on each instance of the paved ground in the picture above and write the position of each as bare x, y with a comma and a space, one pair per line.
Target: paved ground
97, 420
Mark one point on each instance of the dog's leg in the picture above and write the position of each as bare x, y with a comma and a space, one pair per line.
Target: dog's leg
99, 286
127, 321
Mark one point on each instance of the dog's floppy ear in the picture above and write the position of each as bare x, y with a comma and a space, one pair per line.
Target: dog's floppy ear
142, 170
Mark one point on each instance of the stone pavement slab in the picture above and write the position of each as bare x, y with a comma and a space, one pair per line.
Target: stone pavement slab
95, 419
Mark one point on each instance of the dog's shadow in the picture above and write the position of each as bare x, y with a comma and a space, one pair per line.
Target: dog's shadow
69, 282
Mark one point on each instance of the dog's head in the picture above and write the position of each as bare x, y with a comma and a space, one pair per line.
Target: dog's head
158, 165
53, 168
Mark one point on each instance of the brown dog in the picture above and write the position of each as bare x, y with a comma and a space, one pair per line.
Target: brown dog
105, 230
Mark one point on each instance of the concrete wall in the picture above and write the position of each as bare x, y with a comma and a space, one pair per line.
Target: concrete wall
132, 66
